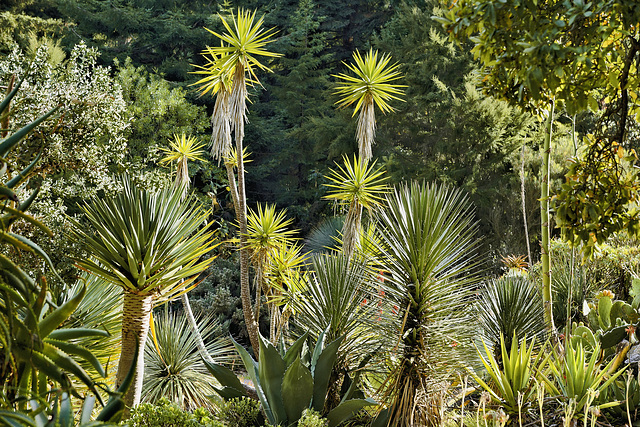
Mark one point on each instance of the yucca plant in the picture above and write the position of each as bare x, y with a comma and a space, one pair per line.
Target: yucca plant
267, 231
509, 307
358, 185
338, 297
150, 243
426, 242
325, 236
286, 276
173, 366
241, 45
371, 86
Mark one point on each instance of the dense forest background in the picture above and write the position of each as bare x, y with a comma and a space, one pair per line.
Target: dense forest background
445, 130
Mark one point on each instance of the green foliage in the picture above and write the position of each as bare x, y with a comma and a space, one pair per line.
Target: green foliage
599, 196
511, 384
240, 412
539, 50
311, 418
173, 367
288, 383
426, 238
80, 149
510, 307
157, 111
166, 414
580, 377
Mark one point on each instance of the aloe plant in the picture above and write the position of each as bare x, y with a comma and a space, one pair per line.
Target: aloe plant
288, 383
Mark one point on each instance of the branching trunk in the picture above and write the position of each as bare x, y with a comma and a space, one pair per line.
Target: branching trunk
544, 214
136, 311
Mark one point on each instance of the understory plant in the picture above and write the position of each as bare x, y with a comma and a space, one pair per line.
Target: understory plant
174, 369
291, 381
426, 241
511, 383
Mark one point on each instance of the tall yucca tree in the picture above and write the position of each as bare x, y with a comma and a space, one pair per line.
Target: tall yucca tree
267, 232
359, 185
150, 243
426, 241
371, 86
237, 56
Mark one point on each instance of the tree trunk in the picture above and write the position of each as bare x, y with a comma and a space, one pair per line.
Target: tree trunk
544, 214
136, 311
194, 325
524, 209
351, 229
238, 115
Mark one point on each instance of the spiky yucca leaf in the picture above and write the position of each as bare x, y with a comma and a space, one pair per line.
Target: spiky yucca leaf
426, 239
149, 243
359, 185
174, 369
182, 150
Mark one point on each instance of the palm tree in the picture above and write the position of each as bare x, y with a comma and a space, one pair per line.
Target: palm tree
370, 86
359, 186
237, 57
426, 242
150, 244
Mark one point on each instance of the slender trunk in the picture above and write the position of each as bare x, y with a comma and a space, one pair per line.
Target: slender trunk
524, 209
366, 130
136, 311
204, 353
544, 214
238, 114
351, 229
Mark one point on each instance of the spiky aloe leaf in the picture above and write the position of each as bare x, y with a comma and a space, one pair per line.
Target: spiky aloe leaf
9, 142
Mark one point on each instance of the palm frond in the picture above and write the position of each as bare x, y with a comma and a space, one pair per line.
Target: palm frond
357, 182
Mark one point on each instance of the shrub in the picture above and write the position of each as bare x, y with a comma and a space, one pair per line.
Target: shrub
311, 418
166, 414
240, 412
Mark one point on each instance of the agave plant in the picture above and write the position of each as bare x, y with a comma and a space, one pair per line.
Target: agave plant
371, 86
173, 366
359, 185
426, 241
150, 243
291, 381
241, 45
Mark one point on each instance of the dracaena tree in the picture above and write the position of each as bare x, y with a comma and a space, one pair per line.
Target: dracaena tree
151, 244
370, 86
232, 67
